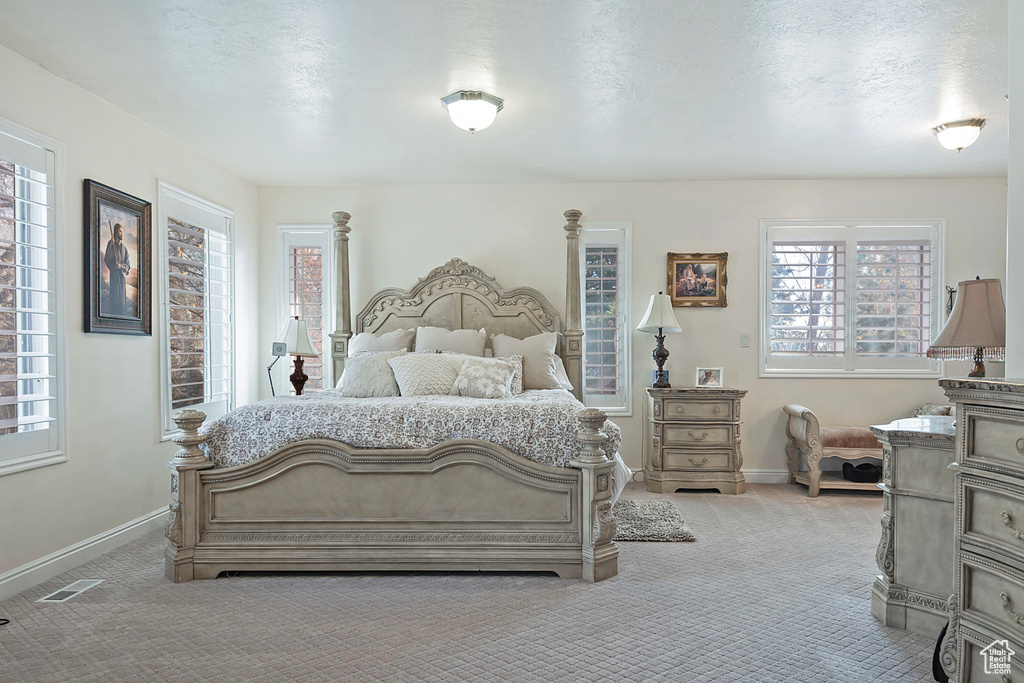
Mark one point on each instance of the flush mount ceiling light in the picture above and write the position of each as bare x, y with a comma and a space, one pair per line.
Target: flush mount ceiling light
958, 134
472, 110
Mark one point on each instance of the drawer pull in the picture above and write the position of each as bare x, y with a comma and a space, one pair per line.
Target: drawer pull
698, 438
703, 461
718, 409
1008, 522
1020, 445
1004, 597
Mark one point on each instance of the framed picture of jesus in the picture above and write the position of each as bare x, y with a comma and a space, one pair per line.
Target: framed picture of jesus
698, 279
117, 261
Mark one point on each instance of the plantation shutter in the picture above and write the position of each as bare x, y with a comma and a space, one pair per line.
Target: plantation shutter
28, 300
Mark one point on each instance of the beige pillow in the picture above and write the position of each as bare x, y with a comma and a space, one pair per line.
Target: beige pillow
398, 340
485, 378
469, 342
538, 352
424, 374
515, 362
368, 375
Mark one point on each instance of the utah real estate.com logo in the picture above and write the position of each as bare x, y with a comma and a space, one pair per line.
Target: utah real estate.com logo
997, 658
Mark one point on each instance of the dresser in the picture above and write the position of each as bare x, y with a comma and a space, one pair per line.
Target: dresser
987, 606
915, 552
692, 440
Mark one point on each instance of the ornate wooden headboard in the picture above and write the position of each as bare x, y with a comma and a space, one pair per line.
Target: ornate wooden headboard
458, 295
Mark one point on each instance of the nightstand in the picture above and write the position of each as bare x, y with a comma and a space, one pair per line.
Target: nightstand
692, 440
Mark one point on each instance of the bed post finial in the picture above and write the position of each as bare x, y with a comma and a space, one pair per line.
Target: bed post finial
343, 303
573, 332
600, 554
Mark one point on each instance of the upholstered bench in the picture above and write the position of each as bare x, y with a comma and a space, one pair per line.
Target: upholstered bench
808, 438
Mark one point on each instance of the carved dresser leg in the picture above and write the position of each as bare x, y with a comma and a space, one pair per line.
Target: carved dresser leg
183, 526
600, 554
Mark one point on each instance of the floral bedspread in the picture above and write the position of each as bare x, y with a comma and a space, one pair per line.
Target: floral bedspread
540, 425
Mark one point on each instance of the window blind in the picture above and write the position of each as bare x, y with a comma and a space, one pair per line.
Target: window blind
28, 313
199, 311
808, 307
601, 329
894, 290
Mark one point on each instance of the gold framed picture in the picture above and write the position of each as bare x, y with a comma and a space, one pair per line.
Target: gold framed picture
698, 279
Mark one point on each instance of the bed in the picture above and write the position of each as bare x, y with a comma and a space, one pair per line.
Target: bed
323, 504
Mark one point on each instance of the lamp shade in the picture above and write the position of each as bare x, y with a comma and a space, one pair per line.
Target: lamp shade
977, 321
296, 336
659, 316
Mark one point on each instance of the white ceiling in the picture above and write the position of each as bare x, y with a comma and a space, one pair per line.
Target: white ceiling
324, 92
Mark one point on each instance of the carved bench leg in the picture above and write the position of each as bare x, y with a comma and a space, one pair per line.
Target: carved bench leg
600, 554
792, 459
813, 473
183, 526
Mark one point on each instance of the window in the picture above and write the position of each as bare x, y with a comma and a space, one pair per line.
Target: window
605, 270
305, 274
198, 305
32, 357
850, 299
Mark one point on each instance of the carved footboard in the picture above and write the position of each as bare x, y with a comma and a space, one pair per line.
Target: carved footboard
323, 505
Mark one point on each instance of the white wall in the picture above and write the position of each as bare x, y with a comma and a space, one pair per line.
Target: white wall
117, 469
514, 232
1014, 290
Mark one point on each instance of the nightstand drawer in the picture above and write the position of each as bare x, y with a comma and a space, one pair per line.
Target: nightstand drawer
689, 460
993, 594
993, 515
676, 409
994, 437
696, 435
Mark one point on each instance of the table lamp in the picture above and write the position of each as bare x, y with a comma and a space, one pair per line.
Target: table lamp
659, 319
976, 327
296, 337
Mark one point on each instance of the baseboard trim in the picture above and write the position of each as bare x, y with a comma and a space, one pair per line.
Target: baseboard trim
766, 476
34, 573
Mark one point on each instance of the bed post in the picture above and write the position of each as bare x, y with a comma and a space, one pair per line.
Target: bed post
600, 554
183, 524
343, 306
573, 332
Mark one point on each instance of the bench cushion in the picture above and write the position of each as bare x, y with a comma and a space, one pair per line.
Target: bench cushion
849, 437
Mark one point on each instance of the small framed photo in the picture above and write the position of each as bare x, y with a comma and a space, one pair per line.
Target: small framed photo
709, 378
117, 261
698, 279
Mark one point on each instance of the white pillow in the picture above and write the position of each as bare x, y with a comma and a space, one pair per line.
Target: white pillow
561, 374
424, 374
469, 342
538, 352
398, 340
369, 375
485, 378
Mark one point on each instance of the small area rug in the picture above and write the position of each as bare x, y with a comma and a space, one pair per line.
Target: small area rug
650, 520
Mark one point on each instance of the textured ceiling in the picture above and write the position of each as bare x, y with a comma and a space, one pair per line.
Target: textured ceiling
323, 92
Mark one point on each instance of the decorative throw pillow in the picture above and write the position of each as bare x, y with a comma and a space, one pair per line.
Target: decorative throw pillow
932, 409
397, 340
369, 375
561, 374
469, 342
538, 352
485, 378
515, 362
424, 374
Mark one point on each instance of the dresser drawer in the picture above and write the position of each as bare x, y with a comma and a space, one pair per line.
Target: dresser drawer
994, 437
993, 594
993, 515
696, 435
678, 409
973, 662
675, 459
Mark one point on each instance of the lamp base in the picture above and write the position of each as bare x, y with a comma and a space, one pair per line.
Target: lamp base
979, 365
660, 355
298, 378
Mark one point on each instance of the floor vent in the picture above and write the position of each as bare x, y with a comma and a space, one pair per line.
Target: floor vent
71, 590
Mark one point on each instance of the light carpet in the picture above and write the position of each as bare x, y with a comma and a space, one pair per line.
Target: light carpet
777, 589
649, 520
